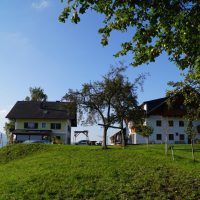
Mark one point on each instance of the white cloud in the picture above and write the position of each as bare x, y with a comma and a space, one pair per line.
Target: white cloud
40, 4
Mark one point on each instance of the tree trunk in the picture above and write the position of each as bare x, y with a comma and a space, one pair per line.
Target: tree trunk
115, 138
147, 142
166, 144
172, 151
122, 135
104, 144
192, 146
11, 139
123, 139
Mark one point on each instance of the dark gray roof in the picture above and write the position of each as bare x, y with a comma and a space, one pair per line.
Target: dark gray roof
154, 104
42, 110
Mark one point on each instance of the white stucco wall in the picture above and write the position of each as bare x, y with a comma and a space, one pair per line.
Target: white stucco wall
64, 132
164, 130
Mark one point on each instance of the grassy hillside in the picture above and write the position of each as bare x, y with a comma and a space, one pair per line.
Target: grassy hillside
83, 172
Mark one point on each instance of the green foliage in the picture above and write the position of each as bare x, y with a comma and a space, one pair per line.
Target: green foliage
36, 94
110, 100
190, 130
145, 131
57, 140
9, 127
74, 172
188, 95
124, 103
189, 91
14, 152
156, 26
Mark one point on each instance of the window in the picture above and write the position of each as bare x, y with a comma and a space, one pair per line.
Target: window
171, 136
171, 123
182, 137
158, 123
43, 125
55, 126
181, 123
30, 125
158, 137
176, 134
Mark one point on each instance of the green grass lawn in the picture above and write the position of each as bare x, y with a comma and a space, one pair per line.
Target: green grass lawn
37, 171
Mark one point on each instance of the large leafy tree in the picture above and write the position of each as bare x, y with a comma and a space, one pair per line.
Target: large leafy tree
189, 91
36, 94
97, 101
124, 103
156, 26
93, 105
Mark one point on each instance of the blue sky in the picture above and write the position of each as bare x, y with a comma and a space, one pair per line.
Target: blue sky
38, 51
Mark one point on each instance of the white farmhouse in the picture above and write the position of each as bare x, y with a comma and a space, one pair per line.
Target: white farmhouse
167, 122
42, 120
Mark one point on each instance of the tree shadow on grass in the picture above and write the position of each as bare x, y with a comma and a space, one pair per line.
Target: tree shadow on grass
187, 150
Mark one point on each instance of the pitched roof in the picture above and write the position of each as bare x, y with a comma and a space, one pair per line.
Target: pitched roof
117, 133
41, 110
154, 104
177, 108
163, 107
